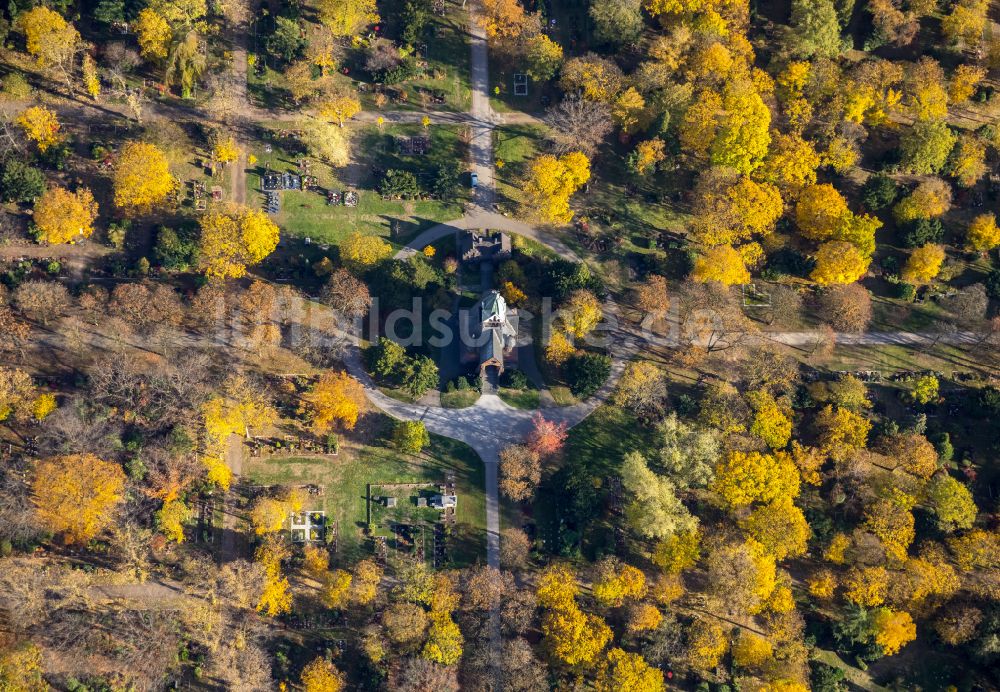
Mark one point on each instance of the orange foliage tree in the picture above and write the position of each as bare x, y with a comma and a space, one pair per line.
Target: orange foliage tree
76, 495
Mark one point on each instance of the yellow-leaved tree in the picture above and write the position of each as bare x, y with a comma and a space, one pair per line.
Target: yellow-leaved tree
581, 313
892, 629
732, 208
48, 37
791, 162
16, 393
234, 239
647, 154
551, 181
743, 137
570, 635
504, 19
721, 263
240, 408
171, 518
559, 349
141, 178
41, 126
770, 421
930, 199
780, 527
983, 234
340, 107
347, 17
841, 431
319, 675
275, 597
76, 495
225, 149
336, 396
923, 264
362, 251
61, 216
616, 583
743, 478
839, 262
154, 34
819, 211
626, 671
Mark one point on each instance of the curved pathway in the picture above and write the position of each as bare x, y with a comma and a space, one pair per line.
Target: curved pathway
490, 424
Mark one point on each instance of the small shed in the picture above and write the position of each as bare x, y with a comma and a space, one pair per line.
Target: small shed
390, 502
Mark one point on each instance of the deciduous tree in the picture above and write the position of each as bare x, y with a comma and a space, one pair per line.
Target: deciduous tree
546, 437
520, 471
647, 154
743, 478
504, 20
339, 107
410, 436
641, 388
617, 22
154, 34
543, 56
654, 510
930, 199
233, 239
839, 262
48, 37
723, 264
319, 675
925, 147
41, 126
77, 495
846, 308
61, 216
819, 211
581, 313
362, 251
780, 527
968, 160
577, 124
594, 77
335, 398
815, 28
952, 504
966, 22
923, 264
743, 137
17, 392
550, 183
326, 141
892, 629
141, 178
627, 671
770, 423
983, 234
706, 645
732, 208
347, 17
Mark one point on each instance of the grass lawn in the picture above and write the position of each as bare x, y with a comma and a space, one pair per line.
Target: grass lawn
307, 214
346, 477
595, 450
520, 398
459, 399
515, 145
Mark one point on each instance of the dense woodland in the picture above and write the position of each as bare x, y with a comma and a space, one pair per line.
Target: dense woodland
789, 482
